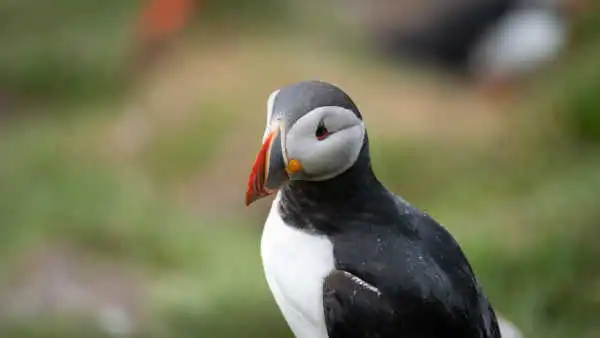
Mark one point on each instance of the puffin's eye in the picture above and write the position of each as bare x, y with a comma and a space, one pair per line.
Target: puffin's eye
321, 132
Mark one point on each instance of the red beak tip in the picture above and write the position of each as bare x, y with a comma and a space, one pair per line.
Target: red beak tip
248, 201
256, 181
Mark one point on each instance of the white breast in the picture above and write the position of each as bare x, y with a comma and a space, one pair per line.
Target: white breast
296, 264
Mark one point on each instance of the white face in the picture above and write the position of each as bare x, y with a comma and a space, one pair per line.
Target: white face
326, 141
303, 144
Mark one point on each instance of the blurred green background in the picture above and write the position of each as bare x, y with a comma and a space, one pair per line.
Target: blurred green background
123, 168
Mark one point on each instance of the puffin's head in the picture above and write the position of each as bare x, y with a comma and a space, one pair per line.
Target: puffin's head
314, 132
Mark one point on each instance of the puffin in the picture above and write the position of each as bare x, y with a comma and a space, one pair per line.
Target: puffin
493, 43
343, 256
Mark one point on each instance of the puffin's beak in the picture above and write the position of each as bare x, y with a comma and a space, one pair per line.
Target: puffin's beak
270, 169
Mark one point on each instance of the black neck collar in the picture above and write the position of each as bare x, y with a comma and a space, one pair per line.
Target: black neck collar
322, 206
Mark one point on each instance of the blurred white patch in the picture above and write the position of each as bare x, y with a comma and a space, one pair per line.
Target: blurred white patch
115, 321
362, 283
508, 329
522, 42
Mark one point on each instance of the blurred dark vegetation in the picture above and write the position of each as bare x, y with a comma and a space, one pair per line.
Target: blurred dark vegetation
524, 206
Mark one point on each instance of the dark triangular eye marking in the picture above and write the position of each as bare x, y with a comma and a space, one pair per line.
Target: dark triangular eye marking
321, 133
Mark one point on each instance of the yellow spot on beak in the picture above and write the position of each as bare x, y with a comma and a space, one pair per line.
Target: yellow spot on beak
293, 167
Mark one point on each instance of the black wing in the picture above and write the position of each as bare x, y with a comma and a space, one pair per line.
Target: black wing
356, 309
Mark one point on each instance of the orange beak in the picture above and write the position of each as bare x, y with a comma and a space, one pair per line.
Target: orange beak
256, 181
270, 169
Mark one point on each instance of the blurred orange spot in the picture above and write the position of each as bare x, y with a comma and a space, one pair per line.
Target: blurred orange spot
163, 18
293, 167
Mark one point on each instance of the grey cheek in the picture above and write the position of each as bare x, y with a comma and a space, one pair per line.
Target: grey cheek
310, 153
349, 149
302, 149
333, 156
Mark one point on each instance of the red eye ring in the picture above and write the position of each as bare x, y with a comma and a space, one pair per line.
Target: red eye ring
321, 133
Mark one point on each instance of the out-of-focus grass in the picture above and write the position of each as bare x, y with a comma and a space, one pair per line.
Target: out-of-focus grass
550, 288
582, 101
526, 213
257, 12
184, 150
204, 273
50, 328
52, 50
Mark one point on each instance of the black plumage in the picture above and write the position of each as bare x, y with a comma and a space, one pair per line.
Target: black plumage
448, 40
398, 272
